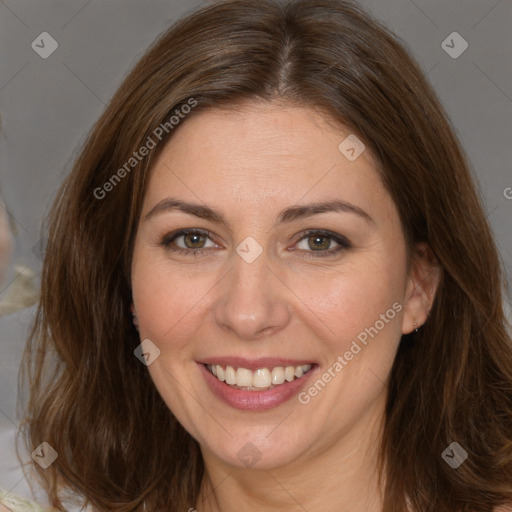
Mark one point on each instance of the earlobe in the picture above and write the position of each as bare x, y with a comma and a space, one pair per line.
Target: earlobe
421, 288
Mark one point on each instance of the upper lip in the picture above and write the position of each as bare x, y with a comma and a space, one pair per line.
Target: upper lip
254, 364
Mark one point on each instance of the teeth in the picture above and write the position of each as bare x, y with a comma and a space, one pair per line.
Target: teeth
230, 375
243, 377
289, 373
261, 378
278, 375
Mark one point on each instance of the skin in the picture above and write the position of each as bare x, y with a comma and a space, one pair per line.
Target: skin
251, 163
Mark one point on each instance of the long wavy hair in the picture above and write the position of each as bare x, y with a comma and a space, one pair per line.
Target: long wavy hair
92, 400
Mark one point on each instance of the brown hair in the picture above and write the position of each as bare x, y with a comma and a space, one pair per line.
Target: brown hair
93, 401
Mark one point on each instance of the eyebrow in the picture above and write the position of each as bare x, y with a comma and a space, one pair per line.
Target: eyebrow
285, 216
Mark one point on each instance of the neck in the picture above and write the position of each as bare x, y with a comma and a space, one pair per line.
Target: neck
341, 477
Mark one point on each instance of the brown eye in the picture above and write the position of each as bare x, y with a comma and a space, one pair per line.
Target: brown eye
320, 243
193, 239
193, 242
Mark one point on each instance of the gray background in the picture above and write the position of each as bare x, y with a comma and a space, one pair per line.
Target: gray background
48, 105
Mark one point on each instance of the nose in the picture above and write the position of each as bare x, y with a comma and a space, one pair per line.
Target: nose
253, 301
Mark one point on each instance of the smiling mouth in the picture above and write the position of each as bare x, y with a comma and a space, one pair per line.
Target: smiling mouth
261, 379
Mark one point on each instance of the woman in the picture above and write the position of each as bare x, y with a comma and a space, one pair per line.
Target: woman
269, 284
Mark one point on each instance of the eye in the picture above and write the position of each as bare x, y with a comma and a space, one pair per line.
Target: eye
193, 240
317, 242
320, 242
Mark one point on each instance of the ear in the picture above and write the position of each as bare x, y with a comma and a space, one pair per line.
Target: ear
421, 288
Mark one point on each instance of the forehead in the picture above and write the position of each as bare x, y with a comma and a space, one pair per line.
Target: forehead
264, 152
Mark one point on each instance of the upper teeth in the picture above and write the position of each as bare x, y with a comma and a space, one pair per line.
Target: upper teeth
260, 378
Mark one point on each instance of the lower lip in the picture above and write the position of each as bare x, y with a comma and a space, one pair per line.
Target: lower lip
254, 400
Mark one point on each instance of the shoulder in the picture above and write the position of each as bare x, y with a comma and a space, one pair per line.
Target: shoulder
10, 502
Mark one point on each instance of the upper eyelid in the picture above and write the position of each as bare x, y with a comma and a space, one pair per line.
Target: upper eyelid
184, 232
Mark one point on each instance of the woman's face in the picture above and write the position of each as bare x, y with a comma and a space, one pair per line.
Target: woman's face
274, 288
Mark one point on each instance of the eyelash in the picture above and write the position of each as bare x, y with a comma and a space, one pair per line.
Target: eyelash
340, 240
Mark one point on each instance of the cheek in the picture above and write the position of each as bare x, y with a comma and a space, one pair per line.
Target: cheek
363, 299
167, 300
